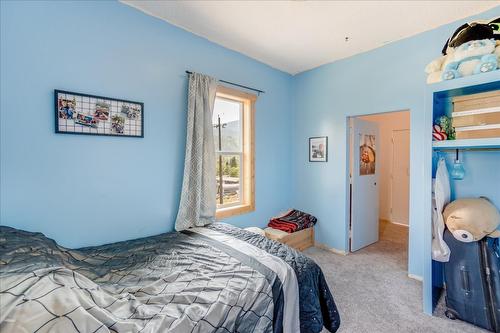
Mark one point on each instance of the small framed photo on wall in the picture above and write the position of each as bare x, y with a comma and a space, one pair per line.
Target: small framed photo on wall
318, 149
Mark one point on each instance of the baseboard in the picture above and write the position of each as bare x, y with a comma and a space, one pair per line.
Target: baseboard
415, 277
330, 249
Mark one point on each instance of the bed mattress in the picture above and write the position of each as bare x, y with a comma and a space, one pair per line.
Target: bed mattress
217, 278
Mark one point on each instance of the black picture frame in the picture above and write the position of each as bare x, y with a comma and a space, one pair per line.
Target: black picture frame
72, 129
324, 140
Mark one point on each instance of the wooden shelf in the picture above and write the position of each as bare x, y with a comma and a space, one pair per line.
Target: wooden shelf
492, 143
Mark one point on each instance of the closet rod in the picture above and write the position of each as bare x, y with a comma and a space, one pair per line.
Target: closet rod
237, 85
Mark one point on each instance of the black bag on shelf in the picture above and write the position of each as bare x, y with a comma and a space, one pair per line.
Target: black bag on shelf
472, 278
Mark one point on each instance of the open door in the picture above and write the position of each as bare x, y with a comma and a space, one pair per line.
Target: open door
364, 188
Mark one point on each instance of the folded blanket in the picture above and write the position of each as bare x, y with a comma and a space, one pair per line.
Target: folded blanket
292, 221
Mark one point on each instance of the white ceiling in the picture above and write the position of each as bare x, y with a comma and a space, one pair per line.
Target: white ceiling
295, 36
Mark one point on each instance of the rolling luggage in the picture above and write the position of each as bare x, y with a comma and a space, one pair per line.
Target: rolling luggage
491, 247
472, 278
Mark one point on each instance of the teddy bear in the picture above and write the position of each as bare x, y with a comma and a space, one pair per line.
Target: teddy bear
475, 30
473, 57
434, 69
497, 51
471, 219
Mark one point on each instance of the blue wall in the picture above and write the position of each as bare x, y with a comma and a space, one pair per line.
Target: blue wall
85, 190
386, 79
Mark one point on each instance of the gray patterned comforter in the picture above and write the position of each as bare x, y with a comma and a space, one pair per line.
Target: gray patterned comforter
173, 282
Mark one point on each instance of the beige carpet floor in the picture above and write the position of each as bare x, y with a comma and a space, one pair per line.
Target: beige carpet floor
373, 292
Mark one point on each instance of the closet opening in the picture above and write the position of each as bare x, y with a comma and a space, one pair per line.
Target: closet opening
379, 184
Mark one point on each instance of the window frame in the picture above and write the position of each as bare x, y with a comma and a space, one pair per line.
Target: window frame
238, 153
247, 160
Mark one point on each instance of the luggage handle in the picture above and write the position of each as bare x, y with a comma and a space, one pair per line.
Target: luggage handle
496, 247
465, 280
490, 290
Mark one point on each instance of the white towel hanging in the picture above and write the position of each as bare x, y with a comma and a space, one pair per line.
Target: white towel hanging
442, 193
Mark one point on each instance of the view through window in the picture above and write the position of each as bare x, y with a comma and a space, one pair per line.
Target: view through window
228, 137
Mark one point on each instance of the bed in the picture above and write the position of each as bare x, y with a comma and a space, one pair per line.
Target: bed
218, 278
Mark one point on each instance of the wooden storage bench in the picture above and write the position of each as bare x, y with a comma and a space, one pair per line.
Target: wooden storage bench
299, 240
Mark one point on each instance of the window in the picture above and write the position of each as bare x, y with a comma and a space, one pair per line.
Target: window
234, 148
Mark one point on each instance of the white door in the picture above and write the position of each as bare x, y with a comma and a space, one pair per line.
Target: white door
400, 176
364, 178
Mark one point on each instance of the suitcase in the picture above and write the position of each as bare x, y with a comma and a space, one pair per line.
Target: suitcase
472, 279
492, 250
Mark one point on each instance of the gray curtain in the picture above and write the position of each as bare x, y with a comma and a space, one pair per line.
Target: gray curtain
198, 197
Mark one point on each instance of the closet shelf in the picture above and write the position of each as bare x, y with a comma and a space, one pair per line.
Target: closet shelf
491, 143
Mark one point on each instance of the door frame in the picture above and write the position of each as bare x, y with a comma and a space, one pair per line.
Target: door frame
347, 222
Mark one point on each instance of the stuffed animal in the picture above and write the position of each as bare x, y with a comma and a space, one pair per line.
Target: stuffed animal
472, 219
457, 64
495, 26
475, 30
497, 51
434, 69
473, 57
465, 61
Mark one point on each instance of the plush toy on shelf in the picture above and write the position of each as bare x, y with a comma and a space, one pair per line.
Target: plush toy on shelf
471, 219
474, 57
476, 30
474, 48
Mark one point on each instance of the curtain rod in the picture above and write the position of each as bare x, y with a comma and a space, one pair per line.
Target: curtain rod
237, 85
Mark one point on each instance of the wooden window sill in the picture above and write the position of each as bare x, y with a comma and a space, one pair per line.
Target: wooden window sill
223, 213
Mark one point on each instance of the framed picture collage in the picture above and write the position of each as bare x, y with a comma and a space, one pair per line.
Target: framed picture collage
77, 113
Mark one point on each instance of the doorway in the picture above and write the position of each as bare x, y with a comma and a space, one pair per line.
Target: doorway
400, 177
379, 165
